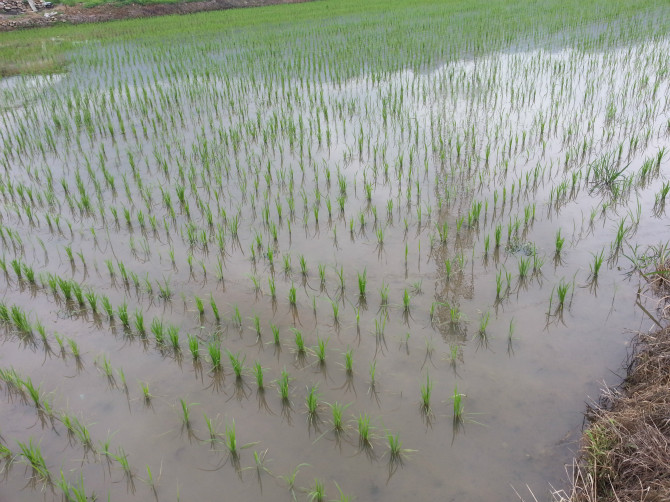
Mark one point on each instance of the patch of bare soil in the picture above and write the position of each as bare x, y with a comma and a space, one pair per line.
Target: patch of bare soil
108, 12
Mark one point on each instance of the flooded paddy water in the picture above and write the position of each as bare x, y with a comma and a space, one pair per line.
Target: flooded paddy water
227, 274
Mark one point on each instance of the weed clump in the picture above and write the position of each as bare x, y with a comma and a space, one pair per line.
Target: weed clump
625, 451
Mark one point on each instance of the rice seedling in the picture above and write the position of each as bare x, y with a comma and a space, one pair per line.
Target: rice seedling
165, 290
122, 312
312, 403
283, 386
337, 412
289, 479
35, 393
193, 346
426, 392
384, 295
211, 429
214, 351
5, 316
173, 339
406, 300
107, 307
122, 458
562, 290
349, 361
322, 275
236, 363
292, 296
146, 395
5, 452
257, 284
340, 276
455, 315
458, 405
32, 455
622, 230
320, 349
342, 496
317, 492
364, 430
92, 300
395, 446
72, 493
257, 326
373, 373
139, 323
74, 348
662, 193
380, 236
483, 324
237, 317
299, 342
20, 320
29, 274
215, 308
158, 331
559, 242
41, 330
275, 335
122, 377
105, 448
79, 431
200, 306
258, 374
524, 267
185, 413
336, 312
460, 261
66, 289
362, 282
106, 368
597, 264
60, 340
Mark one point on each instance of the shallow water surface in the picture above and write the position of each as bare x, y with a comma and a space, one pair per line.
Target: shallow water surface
414, 219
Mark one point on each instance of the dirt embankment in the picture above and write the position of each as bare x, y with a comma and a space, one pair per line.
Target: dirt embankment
23, 17
625, 450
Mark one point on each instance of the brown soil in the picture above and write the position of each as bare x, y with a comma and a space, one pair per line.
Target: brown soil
78, 14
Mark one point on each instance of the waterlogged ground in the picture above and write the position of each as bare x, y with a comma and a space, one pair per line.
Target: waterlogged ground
438, 233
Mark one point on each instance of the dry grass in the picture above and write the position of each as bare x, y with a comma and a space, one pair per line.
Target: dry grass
625, 450
659, 281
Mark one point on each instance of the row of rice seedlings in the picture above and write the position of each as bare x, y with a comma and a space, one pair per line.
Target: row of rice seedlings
76, 430
15, 316
31, 454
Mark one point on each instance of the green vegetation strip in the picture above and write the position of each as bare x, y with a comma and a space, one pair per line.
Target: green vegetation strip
346, 28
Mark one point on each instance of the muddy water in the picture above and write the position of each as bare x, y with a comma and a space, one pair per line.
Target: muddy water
232, 144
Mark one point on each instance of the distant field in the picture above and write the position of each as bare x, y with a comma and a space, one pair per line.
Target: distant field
478, 24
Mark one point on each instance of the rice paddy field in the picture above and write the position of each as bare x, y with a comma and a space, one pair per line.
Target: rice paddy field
327, 251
